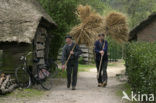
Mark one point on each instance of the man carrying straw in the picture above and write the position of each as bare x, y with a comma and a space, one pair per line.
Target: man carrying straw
92, 23
72, 65
101, 47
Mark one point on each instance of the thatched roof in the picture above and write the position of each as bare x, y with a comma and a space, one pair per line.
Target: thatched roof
133, 33
19, 20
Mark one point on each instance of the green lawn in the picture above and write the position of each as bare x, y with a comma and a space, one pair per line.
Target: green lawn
125, 87
85, 68
24, 93
61, 74
82, 68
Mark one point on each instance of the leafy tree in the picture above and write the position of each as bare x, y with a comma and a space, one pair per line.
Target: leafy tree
98, 5
63, 13
137, 10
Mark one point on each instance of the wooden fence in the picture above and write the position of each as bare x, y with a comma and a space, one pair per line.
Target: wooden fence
87, 54
114, 53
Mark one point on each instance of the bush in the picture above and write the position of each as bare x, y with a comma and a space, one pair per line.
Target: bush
140, 58
81, 60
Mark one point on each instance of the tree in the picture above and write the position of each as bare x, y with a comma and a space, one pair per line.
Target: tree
63, 13
137, 10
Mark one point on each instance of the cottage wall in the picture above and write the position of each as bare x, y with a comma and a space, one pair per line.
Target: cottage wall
11, 54
148, 33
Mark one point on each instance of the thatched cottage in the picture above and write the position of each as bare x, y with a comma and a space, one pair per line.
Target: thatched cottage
24, 27
145, 31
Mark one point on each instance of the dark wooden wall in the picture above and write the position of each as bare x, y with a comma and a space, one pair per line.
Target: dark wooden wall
148, 33
11, 53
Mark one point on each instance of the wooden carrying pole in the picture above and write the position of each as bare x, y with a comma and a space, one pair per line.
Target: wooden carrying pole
73, 48
101, 61
69, 56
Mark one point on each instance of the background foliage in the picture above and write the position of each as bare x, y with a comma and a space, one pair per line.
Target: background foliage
136, 10
63, 13
140, 58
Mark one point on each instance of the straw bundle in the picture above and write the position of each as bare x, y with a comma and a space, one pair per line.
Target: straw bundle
83, 12
92, 24
116, 26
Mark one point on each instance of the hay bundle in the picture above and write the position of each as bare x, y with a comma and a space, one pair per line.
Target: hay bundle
83, 12
116, 26
92, 24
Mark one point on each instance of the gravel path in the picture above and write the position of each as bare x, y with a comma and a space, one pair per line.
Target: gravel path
87, 90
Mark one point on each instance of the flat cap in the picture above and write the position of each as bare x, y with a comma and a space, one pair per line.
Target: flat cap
68, 36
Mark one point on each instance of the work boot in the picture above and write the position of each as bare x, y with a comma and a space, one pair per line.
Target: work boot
99, 84
104, 84
68, 85
73, 88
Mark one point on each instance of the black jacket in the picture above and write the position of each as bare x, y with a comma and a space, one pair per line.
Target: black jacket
98, 47
66, 51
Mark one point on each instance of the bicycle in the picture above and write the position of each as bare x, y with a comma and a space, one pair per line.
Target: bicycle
25, 76
51, 64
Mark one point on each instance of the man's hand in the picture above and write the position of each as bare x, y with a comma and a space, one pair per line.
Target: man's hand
102, 52
71, 52
63, 67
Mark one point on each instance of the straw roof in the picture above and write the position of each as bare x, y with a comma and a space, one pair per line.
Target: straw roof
19, 20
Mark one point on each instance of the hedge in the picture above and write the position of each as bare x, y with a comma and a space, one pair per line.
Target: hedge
140, 59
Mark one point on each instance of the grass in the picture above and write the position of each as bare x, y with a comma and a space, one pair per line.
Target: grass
85, 68
112, 64
119, 62
81, 68
24, 93
125, 87
61, 74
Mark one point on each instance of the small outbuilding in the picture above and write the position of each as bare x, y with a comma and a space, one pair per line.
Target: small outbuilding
145, 31
24, 27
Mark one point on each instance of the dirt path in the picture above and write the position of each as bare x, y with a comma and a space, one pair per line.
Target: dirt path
87, 90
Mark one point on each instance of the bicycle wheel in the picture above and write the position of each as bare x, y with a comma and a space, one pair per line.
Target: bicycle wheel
47, 82
22, 77
54, 70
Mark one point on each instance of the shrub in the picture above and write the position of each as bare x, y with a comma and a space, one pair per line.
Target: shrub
140, 58
81, 60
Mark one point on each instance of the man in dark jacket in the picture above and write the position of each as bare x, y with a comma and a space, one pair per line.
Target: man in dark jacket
101, 47
72, 65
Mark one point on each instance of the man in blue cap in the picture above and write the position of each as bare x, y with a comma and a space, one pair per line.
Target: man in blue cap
101, 48
72, 65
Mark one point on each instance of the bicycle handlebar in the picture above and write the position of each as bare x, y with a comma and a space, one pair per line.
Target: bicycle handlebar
24, 57
28, 53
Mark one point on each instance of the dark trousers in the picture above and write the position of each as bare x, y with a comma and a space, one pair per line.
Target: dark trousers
103, 71
72, 69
